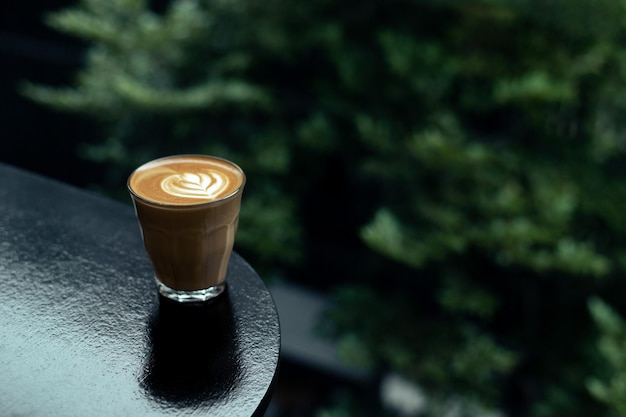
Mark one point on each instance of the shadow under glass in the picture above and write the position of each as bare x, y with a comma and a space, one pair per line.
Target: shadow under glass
194, 356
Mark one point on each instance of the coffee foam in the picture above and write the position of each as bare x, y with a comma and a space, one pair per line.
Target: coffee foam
185, 180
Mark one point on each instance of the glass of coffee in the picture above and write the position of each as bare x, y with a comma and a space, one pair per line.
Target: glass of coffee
188, 211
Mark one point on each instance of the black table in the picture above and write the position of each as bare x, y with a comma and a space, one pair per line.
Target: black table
84, 333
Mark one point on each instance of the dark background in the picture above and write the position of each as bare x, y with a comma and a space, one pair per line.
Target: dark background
31, 136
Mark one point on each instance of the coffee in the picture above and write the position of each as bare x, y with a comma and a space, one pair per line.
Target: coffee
185, 180
188, 211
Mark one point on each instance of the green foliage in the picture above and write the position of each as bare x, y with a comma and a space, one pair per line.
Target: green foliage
610, 388
449, 355
461, 158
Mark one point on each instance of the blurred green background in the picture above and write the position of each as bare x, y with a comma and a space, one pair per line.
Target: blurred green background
450, 172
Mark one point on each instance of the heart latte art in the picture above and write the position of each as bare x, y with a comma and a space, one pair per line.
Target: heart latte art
185, 180
202, 185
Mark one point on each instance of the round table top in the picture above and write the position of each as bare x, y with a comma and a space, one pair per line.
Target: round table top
83, 331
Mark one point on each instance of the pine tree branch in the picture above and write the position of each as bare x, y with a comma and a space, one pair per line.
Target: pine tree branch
211, 94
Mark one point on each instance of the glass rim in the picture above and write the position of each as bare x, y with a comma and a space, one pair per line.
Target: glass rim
186, 205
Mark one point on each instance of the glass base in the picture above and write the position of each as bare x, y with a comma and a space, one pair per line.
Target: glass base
193, 296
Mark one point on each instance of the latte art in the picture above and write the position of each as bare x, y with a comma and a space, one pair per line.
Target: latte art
186, 180
210, 184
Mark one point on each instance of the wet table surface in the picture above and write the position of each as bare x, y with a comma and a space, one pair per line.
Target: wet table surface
84, 333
